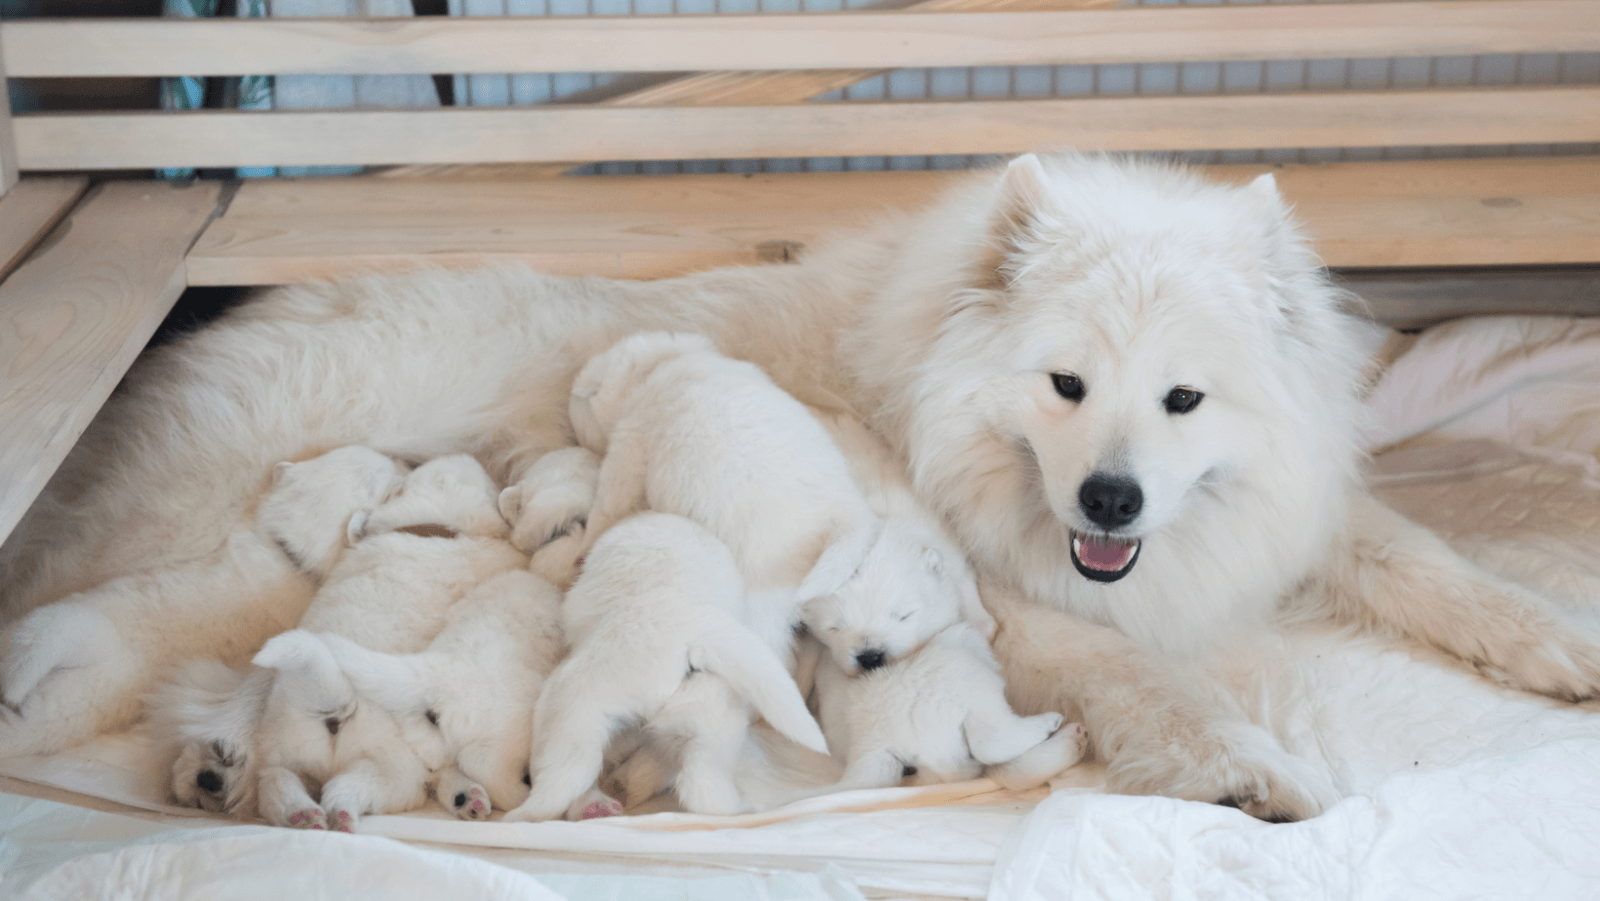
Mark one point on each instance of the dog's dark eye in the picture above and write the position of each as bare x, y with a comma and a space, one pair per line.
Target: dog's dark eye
1183, 400
907, 771
1068, 385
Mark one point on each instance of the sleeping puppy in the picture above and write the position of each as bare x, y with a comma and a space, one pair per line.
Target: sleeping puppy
411, 558
465, 704
101, 642
657, 638
685, 430
937, 715
549, 510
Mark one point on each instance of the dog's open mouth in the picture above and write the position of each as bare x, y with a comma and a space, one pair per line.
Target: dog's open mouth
1103, 558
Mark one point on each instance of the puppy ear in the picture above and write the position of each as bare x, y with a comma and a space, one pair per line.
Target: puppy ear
511, 504
840, 560
356, 529
278, 472
1017, 203
973, 613
934, 561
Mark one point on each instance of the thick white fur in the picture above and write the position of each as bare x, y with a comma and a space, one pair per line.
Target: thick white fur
466, 703
941, 330
937, 715
81, 665
549, 509
391, 591
685, 430
656, 623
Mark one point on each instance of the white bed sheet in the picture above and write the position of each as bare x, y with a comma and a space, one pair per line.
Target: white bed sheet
1457, 788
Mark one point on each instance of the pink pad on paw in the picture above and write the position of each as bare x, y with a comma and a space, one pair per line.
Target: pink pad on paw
601, 809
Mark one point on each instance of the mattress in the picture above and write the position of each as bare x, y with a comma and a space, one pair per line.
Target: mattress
1485, 429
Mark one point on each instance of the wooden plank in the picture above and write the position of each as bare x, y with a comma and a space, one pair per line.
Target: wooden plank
1413, 298
870, 40
553, 133
28, 213
74, 316
1382, 214
8, 144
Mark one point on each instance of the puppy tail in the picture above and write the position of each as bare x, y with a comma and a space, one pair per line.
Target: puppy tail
735, 653
396, 682
306, 670
840, 559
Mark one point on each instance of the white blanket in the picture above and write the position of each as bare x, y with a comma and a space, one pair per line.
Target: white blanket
1456, 788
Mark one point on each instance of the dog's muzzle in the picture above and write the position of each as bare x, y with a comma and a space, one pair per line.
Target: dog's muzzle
1102, 558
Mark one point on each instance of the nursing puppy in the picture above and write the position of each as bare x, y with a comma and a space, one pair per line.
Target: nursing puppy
465, 704
937, 715
66, 663
998, 340
685, 430
549, 509
296, 715
658, 638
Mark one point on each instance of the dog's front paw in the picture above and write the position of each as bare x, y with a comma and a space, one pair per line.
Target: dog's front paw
470, 804
1551, 661
1223, 762
308, 818
58, 636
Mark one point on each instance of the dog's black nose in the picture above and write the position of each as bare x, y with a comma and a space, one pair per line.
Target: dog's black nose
871, 659
208, 781
1110, 501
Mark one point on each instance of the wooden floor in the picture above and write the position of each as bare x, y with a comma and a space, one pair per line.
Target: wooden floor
88, 276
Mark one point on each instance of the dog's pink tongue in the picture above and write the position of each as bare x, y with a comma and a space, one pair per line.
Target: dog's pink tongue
1105, 553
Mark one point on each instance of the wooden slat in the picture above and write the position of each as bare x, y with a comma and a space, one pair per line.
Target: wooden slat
1425, 213
74, 316
1354, 119
8, 144
145, 47
28, 213
1412, 298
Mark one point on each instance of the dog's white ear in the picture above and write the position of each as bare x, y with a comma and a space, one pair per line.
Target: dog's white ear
278, 472
840, 559
934, 561
511, 504
287, 650
356, 529
1266, 188
1017, 202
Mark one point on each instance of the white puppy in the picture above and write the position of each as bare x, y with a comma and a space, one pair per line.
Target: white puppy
685, 430
656, 633
65, 658
466, 703
938, 715
549, 509
413, 557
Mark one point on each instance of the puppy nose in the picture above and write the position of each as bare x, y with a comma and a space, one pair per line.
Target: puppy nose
209, 781
870, 659
1110, 501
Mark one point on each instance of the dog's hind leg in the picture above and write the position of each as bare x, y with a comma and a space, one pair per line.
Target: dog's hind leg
460, 795
713, 722
995, 735
620, 490
1038, 764
364, 787
1394, 575
570, 734
282, 800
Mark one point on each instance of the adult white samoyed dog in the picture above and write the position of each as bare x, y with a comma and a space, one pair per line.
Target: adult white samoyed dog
1133, 395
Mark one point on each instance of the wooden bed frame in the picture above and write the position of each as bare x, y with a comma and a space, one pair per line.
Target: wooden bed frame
91, 267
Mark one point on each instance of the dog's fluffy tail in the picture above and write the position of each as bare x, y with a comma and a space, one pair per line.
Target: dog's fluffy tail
400, 683
734, 652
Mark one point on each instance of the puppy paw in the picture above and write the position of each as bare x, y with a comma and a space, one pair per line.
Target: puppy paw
1555, 662
470, 804
342, 820
308, 818
594, 804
